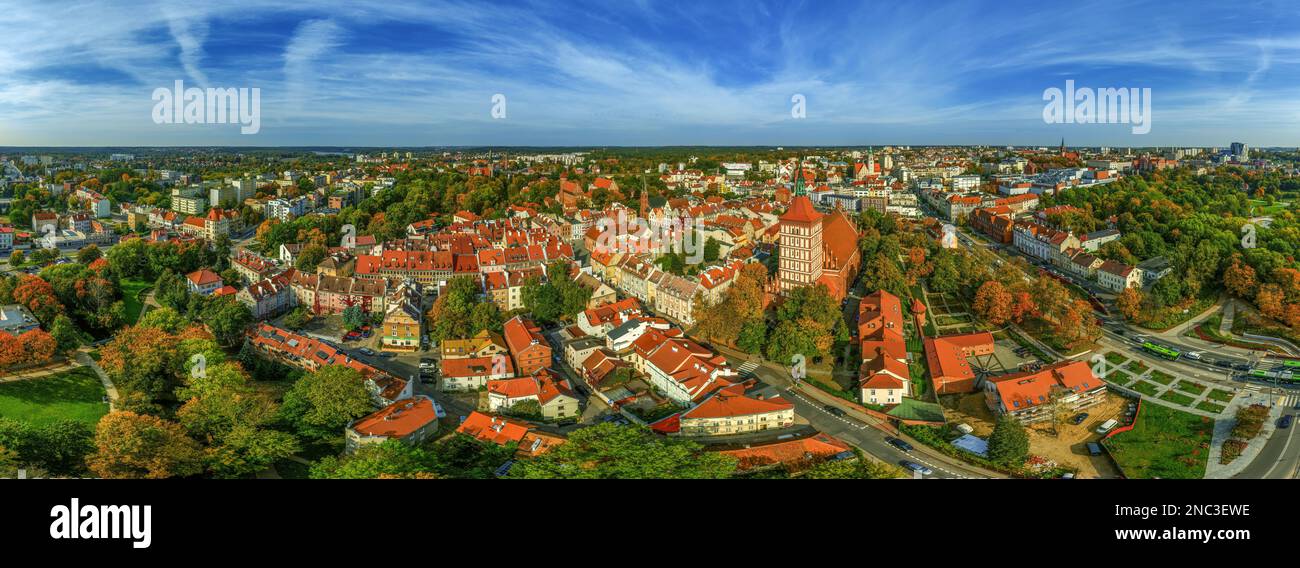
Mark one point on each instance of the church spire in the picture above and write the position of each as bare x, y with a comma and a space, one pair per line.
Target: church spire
798, 179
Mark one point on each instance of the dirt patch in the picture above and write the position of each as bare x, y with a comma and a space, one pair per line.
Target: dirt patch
1068, 449
970, 409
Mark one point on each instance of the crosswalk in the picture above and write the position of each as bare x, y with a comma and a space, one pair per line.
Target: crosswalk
1285, 399
747, 368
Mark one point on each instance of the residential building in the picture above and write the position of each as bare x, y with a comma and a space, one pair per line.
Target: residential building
411, 420
553, 394
730, 411
203, 282
502, 431
473, 373
1034, 396
528, 347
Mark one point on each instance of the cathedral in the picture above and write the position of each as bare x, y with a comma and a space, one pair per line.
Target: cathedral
815, 248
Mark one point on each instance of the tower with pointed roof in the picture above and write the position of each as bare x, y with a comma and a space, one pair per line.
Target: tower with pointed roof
800, 255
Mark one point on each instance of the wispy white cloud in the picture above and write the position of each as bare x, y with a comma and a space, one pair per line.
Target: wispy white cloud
644, 72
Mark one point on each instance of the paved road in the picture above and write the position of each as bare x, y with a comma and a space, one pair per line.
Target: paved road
1279, 458
868, 437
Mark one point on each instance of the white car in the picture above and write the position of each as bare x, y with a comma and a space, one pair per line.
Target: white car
1195, 355
438, 411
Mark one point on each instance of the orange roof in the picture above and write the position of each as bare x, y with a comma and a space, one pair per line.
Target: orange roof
820, 446
1019, 391
502, 431
399, 419
732, 401
801, 211
522, 334
203, 277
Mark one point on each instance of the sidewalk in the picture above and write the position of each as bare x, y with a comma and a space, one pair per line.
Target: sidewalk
1223, 430
86, 361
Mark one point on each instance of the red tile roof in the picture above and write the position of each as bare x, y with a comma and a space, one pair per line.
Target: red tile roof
399, 419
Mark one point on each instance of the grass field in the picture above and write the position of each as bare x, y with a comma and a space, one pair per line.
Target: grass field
1165, 443
1177, 398
133, 292
1145, 388
1188, 386
1209, 406
75, 394
1220, 395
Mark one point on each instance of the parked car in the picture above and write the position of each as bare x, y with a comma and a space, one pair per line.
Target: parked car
1079, 418
438, 411
367, 351
834, 411
916, 467
900, 444
1107, 426
351, 336
1094, 449
1285, 421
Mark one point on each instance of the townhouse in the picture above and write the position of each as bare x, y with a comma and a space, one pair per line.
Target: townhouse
269, 297
681, 369
484, 344
1115, 276
554, 395
528, 348
310, 354
470, 373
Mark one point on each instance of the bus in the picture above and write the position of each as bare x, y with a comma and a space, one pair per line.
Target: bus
1161, 350
1291, 364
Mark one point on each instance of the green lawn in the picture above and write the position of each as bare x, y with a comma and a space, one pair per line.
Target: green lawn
75, 394
1165, 443
1116, 359
1188, 386
1220, 395
1209, 406
1177, 398
1161, 377
133, 292
1137, 366
1145, 388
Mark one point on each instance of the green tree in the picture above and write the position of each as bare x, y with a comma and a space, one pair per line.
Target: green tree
1009, 443
65, 333
859, 468
130, 445
228, 318
320, 404
608, 451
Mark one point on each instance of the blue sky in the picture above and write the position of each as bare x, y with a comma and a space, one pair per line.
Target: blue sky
645, 72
